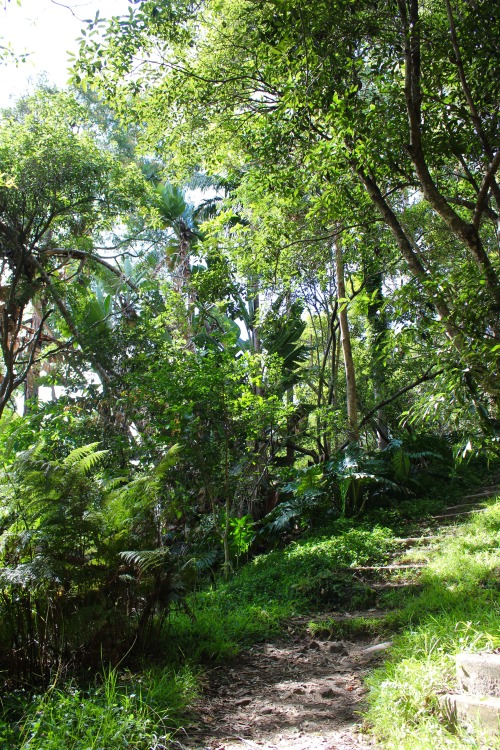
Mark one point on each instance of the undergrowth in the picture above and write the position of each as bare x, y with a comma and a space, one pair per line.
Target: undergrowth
137, 712
457, 609
309, 575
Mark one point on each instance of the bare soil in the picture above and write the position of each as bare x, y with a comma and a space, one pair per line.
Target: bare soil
296, 693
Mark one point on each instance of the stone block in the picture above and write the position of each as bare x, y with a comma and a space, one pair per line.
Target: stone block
479, 674
472, 710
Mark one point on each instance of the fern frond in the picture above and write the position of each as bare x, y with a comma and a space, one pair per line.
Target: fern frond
426, 454
147, 560
78, 454
141, 487
168, 460
83, 459
28, 575
206, 560
89, 462
114, 484
284, 514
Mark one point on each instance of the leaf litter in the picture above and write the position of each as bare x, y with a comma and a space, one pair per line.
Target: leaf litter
294, 694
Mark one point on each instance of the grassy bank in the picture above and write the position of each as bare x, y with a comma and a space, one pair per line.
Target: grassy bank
457, 610
122, 710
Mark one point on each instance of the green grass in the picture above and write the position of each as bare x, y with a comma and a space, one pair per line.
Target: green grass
140, 711
137, 712
355, 627
457, 610
251, 607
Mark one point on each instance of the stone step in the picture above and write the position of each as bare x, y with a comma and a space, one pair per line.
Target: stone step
461, 506
326, 617
389, 568
410, 541
479, 674
486, 492
381, 588
408, 555
457, 514
472, 709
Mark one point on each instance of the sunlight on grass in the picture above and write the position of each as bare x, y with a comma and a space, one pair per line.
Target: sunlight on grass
458, 610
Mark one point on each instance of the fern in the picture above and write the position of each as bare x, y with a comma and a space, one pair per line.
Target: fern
84, 459
63, 582
283, 516
206, 560
401, 464
78, 453
425, 454
168, 460
148, 560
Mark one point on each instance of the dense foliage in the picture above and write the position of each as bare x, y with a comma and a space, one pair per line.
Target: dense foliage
249, 287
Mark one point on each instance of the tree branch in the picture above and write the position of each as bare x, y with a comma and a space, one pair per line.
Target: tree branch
304, 451
487, 211
81, 254
476, 120
466, 233
488, 180
422, 379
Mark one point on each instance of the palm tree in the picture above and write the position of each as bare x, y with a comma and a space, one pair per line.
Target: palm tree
183, 220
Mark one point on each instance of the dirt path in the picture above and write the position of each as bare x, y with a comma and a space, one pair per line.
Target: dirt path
297, 693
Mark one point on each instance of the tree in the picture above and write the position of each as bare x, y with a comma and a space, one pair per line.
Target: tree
63, 192
311, 99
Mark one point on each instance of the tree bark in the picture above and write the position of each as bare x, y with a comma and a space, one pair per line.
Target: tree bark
350, 376
377, 322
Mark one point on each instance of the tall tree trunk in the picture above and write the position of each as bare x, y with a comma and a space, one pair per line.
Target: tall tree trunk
350, 378
181, 278
326, 385
377, 321
254, 305
30, 384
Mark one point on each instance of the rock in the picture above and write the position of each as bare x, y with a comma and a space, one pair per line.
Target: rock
298, 691
479, 674
337, 647
331, 692
470, 709
243, 702
376, 648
